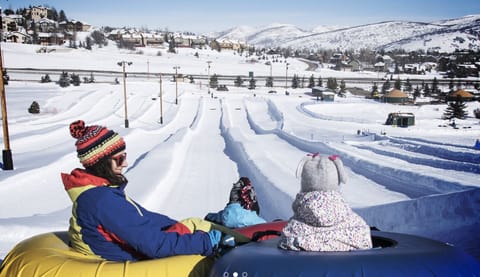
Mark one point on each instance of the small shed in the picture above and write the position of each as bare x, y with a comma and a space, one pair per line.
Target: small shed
396, 96
463, 94
323, 93
400, 119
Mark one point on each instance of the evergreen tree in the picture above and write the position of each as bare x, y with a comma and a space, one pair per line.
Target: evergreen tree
320, 82
269, 82
214, 81
252, 83
62, 16
311, 82
332, 83
98, 37
45, 79
34, 108
238, 81
91, 79
451, 85
455, 109
343, 86
75, 79
435, 88
88, 43
426, 91
171, 46
64, 80
408, 86
52, 14
397, 84
386, 87
416, 93
295, 81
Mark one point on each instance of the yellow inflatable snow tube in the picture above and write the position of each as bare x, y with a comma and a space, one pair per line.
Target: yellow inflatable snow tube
49, 255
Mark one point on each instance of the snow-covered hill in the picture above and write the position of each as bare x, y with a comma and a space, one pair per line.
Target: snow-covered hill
420, 180
444, 36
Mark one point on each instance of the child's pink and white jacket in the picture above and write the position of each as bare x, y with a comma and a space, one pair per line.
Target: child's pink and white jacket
323, 221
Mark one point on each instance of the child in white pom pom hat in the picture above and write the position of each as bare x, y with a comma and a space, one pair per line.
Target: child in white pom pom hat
322, 220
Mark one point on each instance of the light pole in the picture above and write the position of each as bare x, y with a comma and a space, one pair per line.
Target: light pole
286, 77
270, 83
122, 64
176, 84
6, 153
208, 72
148, 69
270, 63
161, 101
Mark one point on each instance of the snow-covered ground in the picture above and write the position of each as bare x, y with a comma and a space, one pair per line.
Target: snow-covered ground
420, 180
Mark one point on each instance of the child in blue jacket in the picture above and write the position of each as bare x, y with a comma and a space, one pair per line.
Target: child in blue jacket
105, 222
242, 209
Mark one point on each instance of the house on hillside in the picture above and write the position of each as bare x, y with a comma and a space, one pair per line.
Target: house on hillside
47, 39
198, 42
221, 44
38, 12
380, 66
74, 26
349, 66
152, 39
46, 25
18, 37
181, 41
116, 34
134, 39
12, 22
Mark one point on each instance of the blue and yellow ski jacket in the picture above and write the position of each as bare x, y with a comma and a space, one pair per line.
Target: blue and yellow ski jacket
107, 223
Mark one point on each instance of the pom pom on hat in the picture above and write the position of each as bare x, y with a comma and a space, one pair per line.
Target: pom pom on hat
95, 142
77, 129
321, 173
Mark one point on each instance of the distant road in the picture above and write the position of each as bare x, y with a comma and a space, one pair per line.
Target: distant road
105, 76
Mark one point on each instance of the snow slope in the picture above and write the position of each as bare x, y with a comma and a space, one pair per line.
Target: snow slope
421, 180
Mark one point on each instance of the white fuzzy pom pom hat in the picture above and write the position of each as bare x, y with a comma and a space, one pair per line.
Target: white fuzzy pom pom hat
321, 173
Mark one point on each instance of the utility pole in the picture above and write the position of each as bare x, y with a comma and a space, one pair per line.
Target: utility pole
7, 152
122, 64
286, 77
161, 100
208, 72
176, 84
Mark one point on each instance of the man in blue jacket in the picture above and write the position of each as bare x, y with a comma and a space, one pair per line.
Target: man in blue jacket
105, 222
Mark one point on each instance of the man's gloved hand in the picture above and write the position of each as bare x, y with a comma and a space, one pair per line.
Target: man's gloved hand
215, 236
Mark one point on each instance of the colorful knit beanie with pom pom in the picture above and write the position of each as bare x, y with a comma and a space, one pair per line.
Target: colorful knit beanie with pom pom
242, 192
95, 142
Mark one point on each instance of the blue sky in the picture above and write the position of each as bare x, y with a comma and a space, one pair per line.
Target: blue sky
202, 16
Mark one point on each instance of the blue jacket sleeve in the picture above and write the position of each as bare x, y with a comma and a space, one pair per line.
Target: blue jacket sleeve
235, 216
139, 229
162, 221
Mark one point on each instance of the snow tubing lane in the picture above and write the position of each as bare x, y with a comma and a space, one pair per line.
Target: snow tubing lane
49, 255
393, 254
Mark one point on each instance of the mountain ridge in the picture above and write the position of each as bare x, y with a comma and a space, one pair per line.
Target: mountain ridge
442, 35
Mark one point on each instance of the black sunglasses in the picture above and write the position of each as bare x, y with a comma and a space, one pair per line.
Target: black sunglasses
120, 159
